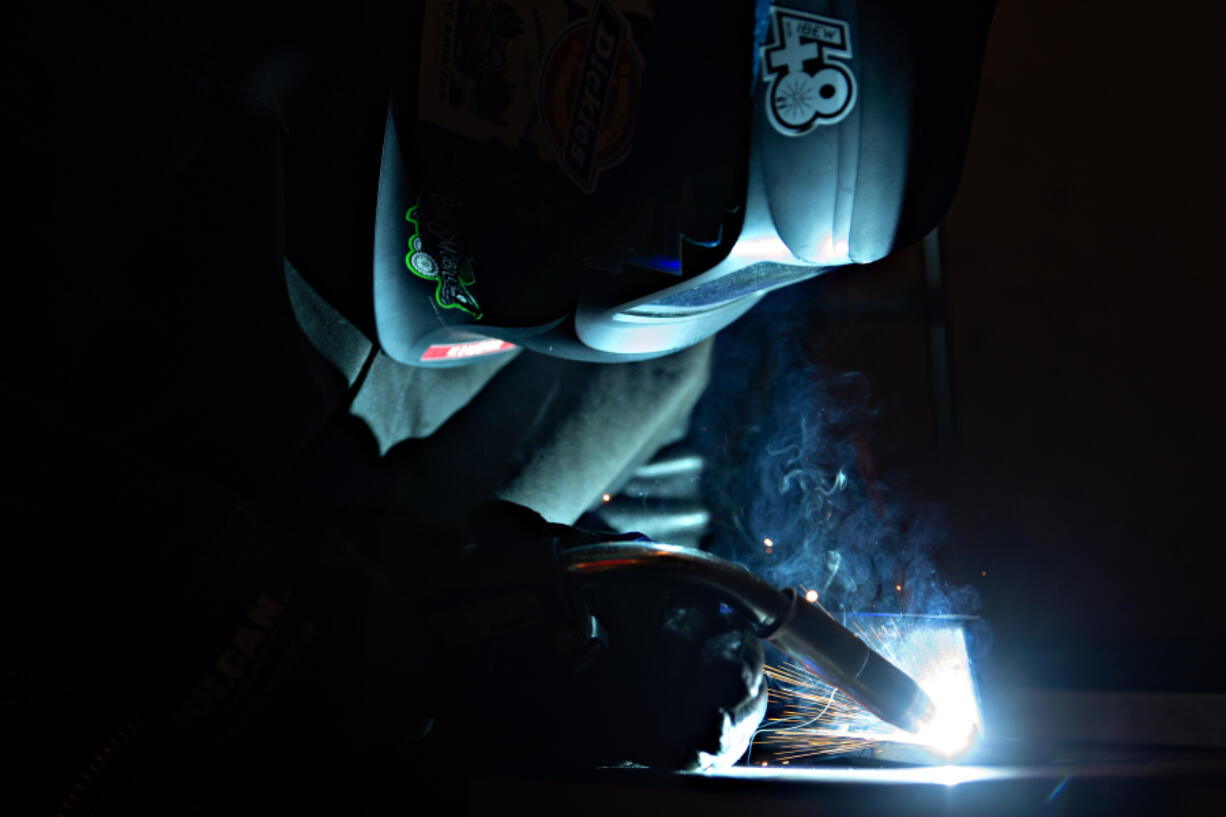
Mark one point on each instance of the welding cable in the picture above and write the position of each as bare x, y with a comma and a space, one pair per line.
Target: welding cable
801, 629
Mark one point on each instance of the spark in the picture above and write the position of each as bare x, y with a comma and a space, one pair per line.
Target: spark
811, 596
813, 718
605, 498
768, 542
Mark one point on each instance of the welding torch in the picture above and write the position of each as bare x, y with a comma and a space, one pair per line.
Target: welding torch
802, 629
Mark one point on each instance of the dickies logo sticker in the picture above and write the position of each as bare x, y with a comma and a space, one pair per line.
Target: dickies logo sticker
588, 95
559, 78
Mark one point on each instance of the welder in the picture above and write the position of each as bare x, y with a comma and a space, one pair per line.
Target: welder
356, 313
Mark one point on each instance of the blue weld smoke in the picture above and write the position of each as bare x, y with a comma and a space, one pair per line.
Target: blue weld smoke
786, 440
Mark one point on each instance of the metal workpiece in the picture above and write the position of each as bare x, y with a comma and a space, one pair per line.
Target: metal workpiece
661, 498
802, 629
681, 521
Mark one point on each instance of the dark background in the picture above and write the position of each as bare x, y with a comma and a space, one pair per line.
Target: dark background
1087, 462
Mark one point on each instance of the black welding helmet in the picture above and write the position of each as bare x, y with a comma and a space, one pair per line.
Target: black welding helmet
612, 180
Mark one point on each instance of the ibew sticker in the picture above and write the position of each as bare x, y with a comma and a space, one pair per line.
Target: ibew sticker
807, 85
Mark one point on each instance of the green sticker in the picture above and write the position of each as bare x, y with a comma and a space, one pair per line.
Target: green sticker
435, 252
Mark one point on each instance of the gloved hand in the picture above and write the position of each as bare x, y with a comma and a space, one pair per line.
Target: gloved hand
683, 682
676, 682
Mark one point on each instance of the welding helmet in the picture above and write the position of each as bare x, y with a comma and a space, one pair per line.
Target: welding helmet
613, 180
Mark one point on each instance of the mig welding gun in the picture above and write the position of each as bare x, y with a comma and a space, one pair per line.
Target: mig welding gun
613, 649
802, 629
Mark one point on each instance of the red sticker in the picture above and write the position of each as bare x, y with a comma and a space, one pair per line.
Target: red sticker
472, 348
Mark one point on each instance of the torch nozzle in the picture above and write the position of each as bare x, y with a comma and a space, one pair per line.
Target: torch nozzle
830, 651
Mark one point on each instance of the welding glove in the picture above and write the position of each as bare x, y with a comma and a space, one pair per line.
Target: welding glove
683, 679
666, 677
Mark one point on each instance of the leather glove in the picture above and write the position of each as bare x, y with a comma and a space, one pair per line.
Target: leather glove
676, 682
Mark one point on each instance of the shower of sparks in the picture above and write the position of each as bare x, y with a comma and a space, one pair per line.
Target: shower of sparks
814, 718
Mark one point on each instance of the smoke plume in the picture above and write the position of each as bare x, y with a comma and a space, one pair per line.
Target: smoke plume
790, 483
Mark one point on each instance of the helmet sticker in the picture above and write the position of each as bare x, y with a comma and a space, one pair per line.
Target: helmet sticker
588, 94
436, 252
559, 78
466, 349
806, 85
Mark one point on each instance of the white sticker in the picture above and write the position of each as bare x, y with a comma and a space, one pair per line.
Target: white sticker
807, 85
